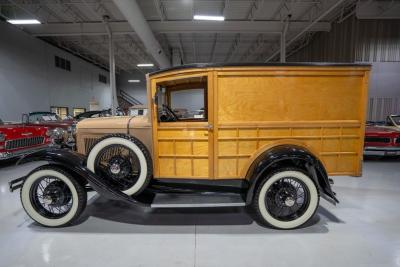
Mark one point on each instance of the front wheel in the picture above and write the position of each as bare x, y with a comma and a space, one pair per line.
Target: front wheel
123, 160
286, 199
52, 197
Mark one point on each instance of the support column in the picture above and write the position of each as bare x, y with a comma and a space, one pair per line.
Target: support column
113, 87
283, 41
176, 57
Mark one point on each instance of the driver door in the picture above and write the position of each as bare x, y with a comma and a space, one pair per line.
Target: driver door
182, 127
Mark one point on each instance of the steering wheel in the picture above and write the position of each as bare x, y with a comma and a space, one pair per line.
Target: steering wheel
169, 114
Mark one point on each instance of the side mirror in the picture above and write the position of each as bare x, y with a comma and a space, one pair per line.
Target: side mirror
25, 118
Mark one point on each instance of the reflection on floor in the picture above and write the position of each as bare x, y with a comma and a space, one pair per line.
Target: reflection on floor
363, 230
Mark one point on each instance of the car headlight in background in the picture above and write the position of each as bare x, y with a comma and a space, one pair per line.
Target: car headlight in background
2, 137
56, 133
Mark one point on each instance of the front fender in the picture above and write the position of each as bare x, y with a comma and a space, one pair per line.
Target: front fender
289, 156
74, 163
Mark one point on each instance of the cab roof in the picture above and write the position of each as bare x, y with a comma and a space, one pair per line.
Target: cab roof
277, 64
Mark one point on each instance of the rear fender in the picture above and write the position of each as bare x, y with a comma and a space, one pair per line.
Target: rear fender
289, 156
74, 163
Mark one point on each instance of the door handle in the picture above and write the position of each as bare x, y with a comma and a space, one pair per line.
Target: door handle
210, 127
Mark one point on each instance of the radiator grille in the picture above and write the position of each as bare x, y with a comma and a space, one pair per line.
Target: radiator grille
24, 142
377, 139
89, 142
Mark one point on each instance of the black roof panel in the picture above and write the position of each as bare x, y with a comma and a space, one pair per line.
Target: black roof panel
218, 65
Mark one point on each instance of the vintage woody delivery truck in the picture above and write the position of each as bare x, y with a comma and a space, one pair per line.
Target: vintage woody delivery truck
265, 136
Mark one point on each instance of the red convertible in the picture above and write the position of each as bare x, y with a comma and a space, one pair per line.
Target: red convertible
20, 139
61, 131
381, 141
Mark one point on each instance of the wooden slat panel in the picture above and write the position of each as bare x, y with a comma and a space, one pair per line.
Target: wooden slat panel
336, 146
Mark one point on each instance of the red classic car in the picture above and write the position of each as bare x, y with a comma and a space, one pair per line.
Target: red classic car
381, 141
19, 139
62, 131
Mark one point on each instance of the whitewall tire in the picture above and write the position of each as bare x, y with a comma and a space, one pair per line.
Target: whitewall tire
135, 147
56, 215
286, 199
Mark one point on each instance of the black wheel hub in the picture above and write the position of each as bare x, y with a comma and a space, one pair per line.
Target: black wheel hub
286, 196
51, 197
287, 199
118, 165
55, 194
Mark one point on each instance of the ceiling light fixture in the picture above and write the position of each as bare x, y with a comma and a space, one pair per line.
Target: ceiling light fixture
203, 17
145, 65
133, 81
23, 21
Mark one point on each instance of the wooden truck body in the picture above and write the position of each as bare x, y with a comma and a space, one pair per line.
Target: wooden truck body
251, 109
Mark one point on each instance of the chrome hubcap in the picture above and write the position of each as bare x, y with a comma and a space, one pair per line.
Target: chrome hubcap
47, 200
289, 201
115, 168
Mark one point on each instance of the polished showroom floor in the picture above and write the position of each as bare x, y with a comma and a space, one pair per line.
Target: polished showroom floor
363, 230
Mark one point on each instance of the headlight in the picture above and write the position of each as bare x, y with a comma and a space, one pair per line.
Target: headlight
2, 137
56, 133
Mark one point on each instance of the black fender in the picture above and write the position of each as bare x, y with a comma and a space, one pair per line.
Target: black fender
74, 164
289, 156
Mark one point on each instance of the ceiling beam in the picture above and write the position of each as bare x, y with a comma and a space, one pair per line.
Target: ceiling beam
118, 28
133, 14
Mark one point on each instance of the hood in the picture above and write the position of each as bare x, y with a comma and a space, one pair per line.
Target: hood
53, 124
117, 122
381, 130
17, 131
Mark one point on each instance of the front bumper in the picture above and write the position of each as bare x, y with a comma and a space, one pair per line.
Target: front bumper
17, 153
381, 151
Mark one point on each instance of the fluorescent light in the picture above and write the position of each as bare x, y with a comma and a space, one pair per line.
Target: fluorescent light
145, 65
23, 21
133, 81
202, 17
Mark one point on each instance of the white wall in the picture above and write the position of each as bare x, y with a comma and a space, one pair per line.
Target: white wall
136, 90
384, 90
29, 80
385, 79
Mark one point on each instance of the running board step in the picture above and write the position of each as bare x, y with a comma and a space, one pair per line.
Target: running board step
162, 200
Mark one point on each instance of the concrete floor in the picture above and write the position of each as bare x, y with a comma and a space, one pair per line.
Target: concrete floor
363, 230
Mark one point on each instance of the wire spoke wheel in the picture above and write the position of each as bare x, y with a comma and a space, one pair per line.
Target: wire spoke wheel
120, 164
287, 199
51, 197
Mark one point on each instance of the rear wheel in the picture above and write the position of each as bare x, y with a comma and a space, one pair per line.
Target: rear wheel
123, 160
52, 197
286, 199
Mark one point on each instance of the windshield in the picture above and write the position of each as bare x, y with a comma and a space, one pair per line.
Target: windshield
396, 119
44, 117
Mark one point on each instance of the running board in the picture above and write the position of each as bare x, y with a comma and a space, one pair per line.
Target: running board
162, 200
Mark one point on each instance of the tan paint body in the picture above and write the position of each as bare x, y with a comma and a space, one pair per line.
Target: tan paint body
250, 110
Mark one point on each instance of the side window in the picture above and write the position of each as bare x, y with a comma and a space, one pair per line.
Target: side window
77, 111
182, 100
